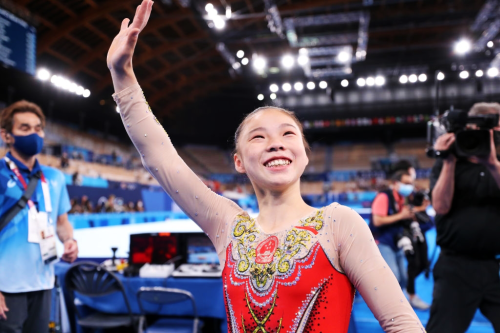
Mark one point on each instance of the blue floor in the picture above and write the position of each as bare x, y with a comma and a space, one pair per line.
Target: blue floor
366, 322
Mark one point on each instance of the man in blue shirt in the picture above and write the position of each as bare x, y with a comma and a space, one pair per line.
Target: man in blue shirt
26, 274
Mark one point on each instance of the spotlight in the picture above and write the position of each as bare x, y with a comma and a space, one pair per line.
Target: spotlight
228, 12
412, 78
236, 65
422, 77
311, 85
79, 90
72, 87
287, 61
298, 86
440, 76
479, 73
380, 80
260, 97
219, 23
117, 109
303, 51
274, 88
361, 82
240, 54
273, 96
343, 57
286, 87
43, 74
492, 72
464, 74
244, 61
259, 63
86, 93
303, 59
323, 84
462, 47
344, 83
490, 44
370, 81
403, 79
209, 7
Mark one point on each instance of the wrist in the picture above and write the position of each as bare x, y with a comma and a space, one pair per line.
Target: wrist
70, 239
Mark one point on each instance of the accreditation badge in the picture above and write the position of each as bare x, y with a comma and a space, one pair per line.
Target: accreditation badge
48, 244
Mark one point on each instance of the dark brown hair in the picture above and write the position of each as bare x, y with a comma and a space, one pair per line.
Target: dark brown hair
7, 114
291, 114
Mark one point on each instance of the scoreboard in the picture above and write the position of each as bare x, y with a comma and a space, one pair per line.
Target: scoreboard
17, 43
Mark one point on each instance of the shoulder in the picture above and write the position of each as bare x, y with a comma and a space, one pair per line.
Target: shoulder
338, 212
53, 175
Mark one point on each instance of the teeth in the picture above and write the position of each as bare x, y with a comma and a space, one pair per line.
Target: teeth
278, 163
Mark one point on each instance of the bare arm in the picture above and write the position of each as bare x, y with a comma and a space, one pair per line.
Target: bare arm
442, 194
65, 235
405, 213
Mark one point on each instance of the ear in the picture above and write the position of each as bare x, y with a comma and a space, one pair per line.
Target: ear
238, 164
5, 136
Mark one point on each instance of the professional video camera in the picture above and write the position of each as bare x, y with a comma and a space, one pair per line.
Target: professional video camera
468, 142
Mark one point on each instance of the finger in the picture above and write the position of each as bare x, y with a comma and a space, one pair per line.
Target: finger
125, 23
140, 14
148, 14
132, 38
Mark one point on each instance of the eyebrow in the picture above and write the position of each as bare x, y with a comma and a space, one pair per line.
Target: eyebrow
263, 129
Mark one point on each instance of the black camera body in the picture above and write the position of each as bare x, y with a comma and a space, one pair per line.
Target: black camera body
468, 142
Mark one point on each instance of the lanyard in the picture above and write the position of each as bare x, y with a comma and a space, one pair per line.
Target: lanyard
45, 185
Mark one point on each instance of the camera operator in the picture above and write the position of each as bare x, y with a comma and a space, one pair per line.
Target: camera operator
466, 197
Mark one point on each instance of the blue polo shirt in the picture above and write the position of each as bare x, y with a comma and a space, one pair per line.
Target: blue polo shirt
21, 265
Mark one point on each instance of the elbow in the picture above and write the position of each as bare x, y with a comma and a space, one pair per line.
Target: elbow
440, 207
376, 221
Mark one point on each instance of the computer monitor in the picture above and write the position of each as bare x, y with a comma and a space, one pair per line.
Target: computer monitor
152, 248
200, 250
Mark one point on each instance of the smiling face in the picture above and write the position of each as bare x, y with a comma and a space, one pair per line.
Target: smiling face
270, 150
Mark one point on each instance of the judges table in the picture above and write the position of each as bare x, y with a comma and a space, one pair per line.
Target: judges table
207, 293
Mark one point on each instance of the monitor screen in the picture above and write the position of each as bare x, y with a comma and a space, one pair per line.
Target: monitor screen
17, 43
200, 250
152, 248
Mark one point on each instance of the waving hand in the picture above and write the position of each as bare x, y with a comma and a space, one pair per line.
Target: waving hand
119, 59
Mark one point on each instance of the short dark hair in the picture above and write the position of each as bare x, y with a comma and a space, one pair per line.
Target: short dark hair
398, 175
401, 165
7, 114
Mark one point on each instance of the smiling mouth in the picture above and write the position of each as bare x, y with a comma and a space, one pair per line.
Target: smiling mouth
277, 163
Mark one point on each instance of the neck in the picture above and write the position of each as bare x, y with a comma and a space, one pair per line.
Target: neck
281, 209
29, 161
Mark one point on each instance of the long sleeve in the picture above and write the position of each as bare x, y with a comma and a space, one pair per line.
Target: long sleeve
208, 209
360, 259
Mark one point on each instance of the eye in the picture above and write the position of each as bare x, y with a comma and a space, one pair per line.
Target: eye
289, 132
258, 136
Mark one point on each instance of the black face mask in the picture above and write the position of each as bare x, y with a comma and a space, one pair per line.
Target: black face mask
496, 138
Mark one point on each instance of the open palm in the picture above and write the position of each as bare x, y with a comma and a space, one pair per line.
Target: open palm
122, 48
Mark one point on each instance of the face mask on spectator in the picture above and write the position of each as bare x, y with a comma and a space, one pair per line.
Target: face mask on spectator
28, 145
405, 189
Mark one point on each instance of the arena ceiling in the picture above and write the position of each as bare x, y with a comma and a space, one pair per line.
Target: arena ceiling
183, 62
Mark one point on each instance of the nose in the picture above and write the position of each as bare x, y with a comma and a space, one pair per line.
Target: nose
275, 145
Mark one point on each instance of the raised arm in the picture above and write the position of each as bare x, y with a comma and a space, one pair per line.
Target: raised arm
362, 262
442, 193
209, 210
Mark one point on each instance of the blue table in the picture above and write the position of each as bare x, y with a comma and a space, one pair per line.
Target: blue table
207, 293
